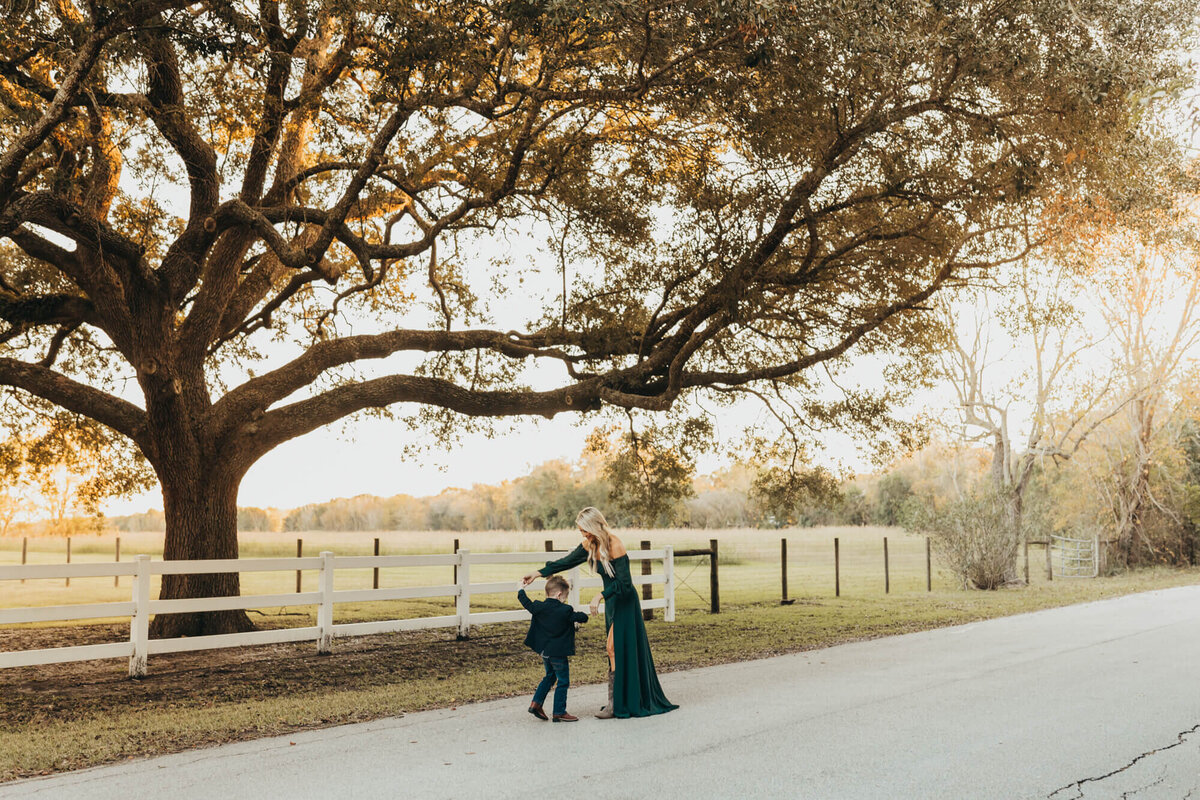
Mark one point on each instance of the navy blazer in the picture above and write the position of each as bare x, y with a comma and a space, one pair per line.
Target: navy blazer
552, 629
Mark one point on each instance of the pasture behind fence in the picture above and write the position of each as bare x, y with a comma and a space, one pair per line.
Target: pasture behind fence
751, 567
141, 607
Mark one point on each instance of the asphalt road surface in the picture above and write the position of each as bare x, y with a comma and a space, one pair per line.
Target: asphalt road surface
1093, 701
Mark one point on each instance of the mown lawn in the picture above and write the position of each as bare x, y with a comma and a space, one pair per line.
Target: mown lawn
76, 715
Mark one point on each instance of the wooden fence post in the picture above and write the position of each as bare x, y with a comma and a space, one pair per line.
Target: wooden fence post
714, 584
24, 551
783, 572
375, 572
325, 610
1049, 563
887, 573
139, 621
669, 583
837, 569
456, 564
549, 545
299, 554
117, 559
1026, 559
928, 566
463, 601
68, 583
647, 594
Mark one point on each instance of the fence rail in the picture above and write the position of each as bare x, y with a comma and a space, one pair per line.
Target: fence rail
141, 607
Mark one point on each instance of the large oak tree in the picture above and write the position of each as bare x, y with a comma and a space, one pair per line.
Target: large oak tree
740, 192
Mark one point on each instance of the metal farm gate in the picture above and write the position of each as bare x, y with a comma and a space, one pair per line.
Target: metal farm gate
1075, 558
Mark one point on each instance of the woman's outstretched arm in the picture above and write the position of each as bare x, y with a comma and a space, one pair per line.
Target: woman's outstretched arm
571, 559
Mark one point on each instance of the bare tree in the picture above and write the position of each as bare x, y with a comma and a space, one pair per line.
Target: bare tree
1151, 303
1032, 402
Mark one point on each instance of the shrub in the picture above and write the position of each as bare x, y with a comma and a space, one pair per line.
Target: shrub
975, 536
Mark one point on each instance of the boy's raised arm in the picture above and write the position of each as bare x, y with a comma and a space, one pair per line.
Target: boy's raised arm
580, 617
530, 605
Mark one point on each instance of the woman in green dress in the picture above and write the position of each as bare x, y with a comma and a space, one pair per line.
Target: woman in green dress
633, 688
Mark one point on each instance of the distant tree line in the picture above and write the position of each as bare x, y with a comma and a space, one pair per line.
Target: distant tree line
550, 496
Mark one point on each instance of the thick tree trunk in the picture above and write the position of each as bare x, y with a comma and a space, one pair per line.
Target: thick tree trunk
201, 517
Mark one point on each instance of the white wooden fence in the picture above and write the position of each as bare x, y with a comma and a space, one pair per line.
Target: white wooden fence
140, 607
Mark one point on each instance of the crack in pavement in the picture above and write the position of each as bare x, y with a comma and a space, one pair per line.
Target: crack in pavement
1078, 785
1131, 792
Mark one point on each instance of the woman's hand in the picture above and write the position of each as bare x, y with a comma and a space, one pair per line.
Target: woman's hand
594, 607
530, 578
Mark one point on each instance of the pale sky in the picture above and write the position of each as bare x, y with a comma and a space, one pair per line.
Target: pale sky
365, 457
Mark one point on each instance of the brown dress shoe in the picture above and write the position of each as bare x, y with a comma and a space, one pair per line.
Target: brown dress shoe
565, 718
537, 710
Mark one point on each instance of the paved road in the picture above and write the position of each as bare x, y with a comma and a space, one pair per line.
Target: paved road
1093, 701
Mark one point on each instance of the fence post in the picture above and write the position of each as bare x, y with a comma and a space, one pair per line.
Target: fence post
463, 601
24, 551
928, 566
1049, 562
647, 589
887, 573
669, 583
1026, 558
375, 573
714, 585
139, 622
325, 610
299, 554
837, 569
1095, 556
573, 594
455, 581
68, 583
783, 571
117, 578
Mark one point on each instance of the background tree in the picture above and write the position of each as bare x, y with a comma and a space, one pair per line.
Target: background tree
650, 471
13, 482
1042, 409
1150, 299
205, 197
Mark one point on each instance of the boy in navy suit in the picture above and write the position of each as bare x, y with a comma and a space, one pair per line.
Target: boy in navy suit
552, 636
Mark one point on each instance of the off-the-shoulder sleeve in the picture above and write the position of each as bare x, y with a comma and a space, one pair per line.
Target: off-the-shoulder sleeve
571, 559
621, 582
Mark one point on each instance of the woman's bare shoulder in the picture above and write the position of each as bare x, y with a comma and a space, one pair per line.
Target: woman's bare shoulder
617, 548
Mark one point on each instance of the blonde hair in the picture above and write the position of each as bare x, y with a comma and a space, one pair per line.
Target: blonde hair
592, 522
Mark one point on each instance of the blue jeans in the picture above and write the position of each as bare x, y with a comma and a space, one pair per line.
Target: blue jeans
557, 669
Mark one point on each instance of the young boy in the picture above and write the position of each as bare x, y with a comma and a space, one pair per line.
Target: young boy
552, 636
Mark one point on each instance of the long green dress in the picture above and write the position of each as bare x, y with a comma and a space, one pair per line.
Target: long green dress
636, 691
